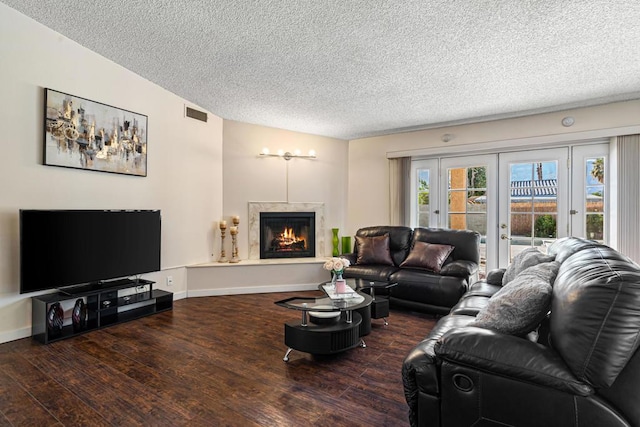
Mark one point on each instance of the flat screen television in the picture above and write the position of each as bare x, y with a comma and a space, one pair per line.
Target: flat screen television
60, 249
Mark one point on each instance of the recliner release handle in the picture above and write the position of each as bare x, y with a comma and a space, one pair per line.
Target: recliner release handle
462, 382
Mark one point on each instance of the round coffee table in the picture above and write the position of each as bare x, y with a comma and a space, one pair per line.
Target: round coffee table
321, 337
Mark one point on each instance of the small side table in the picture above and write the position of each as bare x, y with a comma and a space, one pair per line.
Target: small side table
379, 306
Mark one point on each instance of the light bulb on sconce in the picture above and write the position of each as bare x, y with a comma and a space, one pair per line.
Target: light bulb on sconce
287, 155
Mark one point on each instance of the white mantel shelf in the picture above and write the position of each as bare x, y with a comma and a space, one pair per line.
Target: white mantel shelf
273, 261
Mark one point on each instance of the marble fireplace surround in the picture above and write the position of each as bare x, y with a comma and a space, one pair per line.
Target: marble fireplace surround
254, 222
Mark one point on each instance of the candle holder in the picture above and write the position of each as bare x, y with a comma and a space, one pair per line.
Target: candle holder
234, 244
223, 229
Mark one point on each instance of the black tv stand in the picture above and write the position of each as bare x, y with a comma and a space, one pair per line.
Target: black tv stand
85, 308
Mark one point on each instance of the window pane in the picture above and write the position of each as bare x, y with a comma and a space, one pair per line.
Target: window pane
545, 226
476, 201
457, 201
595, 198
522, 206
545, 205
546, 171
522, 172
595, 226
477, 177
595, 171
457, 179
423, 197
477, 222
521, 225
457, 221
423, 220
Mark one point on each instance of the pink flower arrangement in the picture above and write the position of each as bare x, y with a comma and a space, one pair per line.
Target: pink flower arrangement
336, 265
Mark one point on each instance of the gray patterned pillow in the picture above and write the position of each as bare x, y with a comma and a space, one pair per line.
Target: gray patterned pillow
520, 306
525, 259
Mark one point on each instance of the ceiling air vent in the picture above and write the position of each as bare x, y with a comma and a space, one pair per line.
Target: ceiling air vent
195, 114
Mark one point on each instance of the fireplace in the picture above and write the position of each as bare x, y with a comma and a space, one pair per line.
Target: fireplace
287, 235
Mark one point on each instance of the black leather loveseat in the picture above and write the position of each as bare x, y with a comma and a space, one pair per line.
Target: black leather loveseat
578, 367
433, 267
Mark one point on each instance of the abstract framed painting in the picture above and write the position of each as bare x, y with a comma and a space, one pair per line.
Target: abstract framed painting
84, 134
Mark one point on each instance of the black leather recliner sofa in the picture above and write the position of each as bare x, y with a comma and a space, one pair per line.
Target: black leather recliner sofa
423, 284
582, 370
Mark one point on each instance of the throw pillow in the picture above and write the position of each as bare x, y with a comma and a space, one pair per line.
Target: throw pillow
428, 256
374, 250
524, 260
519, 307
546, 271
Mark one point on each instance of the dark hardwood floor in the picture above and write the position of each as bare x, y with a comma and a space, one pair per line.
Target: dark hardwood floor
212, 361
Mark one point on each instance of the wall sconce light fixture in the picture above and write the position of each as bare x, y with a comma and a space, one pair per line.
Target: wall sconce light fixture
287, 155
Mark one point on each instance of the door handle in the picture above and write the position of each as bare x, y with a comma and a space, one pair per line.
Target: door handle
505, 237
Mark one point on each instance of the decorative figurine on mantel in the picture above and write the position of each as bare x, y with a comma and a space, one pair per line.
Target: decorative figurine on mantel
234, 239
223, 229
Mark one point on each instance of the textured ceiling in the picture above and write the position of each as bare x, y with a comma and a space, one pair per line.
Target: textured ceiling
349, 69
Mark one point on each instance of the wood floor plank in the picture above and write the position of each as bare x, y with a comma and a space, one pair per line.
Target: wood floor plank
209, 361
19, 408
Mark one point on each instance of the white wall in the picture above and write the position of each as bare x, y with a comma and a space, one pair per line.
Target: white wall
184, 156
248, 177
368, 157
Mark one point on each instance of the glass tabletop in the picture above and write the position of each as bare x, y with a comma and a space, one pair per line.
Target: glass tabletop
358, 284
352, 302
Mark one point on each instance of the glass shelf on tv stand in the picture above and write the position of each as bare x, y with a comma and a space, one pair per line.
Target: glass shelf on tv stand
89, 288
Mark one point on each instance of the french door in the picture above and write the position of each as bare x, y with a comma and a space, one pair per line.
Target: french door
457, 193
534, 202
467, 199
588, 214
425, 179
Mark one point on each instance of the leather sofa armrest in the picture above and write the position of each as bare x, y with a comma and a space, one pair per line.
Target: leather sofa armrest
459, 268
353, 257
509, 356
494, 277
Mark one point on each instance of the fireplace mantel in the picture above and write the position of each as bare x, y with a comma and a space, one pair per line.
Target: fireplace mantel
254, 222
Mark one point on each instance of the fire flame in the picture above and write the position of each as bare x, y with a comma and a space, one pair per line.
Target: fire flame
288, 237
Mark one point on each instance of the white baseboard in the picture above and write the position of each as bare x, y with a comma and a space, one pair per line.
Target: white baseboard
252, 290
16, 334
179, 295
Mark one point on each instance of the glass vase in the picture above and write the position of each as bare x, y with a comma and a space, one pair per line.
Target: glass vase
336, 242
346, 244
340, 284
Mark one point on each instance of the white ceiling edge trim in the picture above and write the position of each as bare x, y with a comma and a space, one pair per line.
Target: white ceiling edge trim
519, 143
595, 102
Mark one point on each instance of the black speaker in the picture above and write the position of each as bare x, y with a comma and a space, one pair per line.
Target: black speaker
79, 315
55, 318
